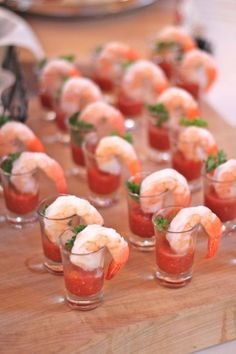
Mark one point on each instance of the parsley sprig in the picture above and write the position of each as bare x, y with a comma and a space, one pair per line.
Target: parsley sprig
214, 161
133, 187
4, 119
76, 122
8, 162
128, 137
197, 122
163, 46
76, 230
161, 223
160, 112
68, 57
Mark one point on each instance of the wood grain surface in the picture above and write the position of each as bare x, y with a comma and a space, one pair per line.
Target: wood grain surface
137, 315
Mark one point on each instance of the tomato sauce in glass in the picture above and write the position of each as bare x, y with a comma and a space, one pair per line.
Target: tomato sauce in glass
170, 262
140, 223
104, 83
51, 250
20, 203
224, 208
158, 137
61, 121
127, 106
83, 283
46, 100
101, 182
77, 154
190, 169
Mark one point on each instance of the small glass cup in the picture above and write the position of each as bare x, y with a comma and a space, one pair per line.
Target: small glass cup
21, 204
142, 235
190, 169
51, 249
103, 186
158, 140
47, 102
224, 207
83, 276
173, 270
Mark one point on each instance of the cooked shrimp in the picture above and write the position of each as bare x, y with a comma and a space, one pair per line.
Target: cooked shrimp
226, 175
16, 131
109, 149
56, 214
178, 36
94, 237
179, 103
109, 63
143, 81
105, 117
188, 218
29, 161
196, 143
154, 185
54, 74
199, 67
77, 93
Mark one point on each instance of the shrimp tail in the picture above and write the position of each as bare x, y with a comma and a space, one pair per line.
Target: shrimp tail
134, 167
115, 265
214, 231
35, 145
56, 173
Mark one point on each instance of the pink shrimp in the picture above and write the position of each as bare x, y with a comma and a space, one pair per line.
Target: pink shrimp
226, 175
196, 143
105, 117
143, 81
178, 36
77, 93
199, 67
188, 218
16, 131
93, 238
29, 161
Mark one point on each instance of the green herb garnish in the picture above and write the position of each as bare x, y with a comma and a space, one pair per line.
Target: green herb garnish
133, 187
127, 63
77, 229
43, 210
197, 122
162, 46
98, 49
4, 119
42, 63
69, 57
8, 163
161, 223
214, 161
160, 112
76, 122
128, 137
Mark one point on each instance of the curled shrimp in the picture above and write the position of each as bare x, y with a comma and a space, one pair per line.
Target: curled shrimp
56, 214
179, 103
225, 174
29, 161
77, 93
112, 148
93, 238
188, 218
143, 81
178, 36
105, 117
54, 74
199, 67
196, 143
111, 60
154, 185
16, 131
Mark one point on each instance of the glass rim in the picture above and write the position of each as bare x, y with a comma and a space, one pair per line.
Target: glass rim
91, 154
172, 232
43, 201
209, 178
76, 254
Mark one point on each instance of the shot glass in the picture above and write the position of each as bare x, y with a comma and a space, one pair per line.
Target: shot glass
142, 235
83, 276
158, 140
103, 186
51, 249
20, 196
189, 168
221, 199
173, 269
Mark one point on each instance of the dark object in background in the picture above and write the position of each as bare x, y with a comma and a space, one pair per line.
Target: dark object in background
14, 99
204, 44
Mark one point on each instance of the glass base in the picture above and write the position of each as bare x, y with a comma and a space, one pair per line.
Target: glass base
141, 243
78, 171
63, 138
49, 116
101, 201
195, 185
53, 267
228, 227
173, 280
35, 264
20, 221
84, 303
161, 157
